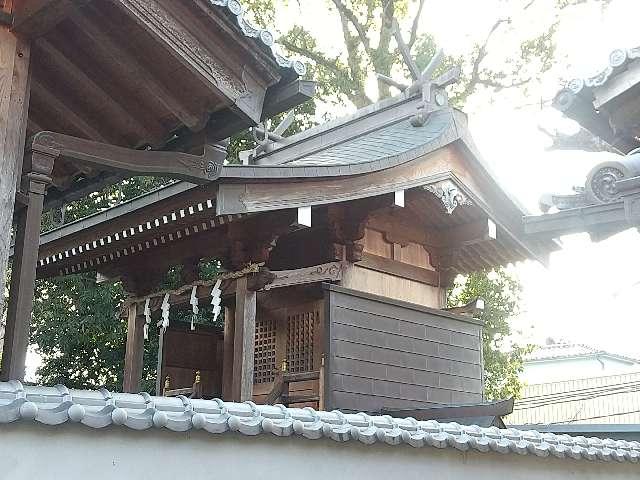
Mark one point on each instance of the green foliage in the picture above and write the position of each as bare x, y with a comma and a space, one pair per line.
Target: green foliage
78, 326
502, 358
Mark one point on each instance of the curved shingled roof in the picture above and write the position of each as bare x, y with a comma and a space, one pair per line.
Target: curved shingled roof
101, 408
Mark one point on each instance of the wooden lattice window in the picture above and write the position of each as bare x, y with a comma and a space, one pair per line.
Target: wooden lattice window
264, 360
300, 341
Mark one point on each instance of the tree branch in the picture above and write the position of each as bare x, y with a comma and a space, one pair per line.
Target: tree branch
481, 55
414, 27
349, 15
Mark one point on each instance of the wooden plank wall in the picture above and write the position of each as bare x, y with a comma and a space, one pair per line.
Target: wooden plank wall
186, 352
388, 353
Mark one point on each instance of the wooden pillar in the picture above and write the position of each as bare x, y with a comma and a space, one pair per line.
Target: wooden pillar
25, 260
244, 341
227, 352
134, 355
159, 379
14, 106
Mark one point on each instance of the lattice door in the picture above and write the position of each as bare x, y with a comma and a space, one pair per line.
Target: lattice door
264, 362
302, 325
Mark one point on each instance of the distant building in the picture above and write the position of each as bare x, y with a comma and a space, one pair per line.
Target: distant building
578, 384
566, 361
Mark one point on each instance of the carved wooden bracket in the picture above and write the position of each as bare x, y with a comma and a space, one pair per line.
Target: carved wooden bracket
443, 261
192, 168
347, 227
449, 194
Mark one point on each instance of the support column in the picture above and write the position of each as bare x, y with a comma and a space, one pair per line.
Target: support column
227, 353
134, 355
25, 260
14, 106
244, 341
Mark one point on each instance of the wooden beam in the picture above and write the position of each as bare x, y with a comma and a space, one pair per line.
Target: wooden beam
134, 355
136, 73
399, 269
279, 99
193, 168
14, 106
244, 342
36, 17
23, 275
327, 272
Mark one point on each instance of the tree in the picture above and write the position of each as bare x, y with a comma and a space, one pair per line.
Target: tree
502, 357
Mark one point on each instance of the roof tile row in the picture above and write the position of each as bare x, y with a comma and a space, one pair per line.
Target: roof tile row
101, 408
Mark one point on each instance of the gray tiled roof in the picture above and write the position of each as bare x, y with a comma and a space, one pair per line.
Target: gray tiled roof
98, 409
385, 142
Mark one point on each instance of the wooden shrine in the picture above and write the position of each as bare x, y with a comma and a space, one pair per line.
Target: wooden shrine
336, 251
336, 245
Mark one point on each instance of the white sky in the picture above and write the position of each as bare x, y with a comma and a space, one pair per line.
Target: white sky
588, 293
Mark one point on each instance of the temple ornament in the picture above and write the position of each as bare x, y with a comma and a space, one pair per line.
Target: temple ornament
449, 194
433, 94
607, 182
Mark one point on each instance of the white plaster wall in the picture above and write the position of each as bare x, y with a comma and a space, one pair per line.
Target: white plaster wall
574, 368
75, 452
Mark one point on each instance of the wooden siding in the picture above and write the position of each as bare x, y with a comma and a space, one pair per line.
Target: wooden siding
386, 353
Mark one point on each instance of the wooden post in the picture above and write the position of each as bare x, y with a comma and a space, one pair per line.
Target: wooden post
227, 353
14, 106
25, 260
134, 355
160, 361
244, 341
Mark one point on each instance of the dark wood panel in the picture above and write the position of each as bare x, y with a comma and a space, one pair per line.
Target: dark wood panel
384, 353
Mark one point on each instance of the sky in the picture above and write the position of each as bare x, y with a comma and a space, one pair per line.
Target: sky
588, 293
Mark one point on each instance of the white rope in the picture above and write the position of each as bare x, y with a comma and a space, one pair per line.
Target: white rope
216, 298
147, 318
165, 311
194, 306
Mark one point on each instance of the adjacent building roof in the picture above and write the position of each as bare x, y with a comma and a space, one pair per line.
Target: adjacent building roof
601, 103
101, 408
608, 106
612, 399
571, 350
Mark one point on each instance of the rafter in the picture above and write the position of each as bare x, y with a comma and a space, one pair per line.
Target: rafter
62, 109
136, 72
82, 81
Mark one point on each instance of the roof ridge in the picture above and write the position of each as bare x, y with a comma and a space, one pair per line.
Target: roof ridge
100, 408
